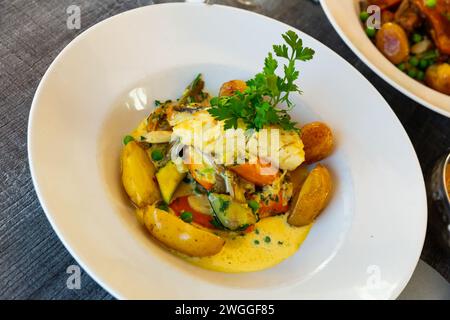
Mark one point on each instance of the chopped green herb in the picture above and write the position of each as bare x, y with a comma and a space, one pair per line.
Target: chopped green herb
206, 171
256, 242
157, 103
224, 204
142, 138
257, 106
280, 243
401, 66
364, 15
371, 32
157, 155
267, 239
253, 205
257, 231
186, 216
127, 139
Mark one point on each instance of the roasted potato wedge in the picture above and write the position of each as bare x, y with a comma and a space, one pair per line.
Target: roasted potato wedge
298, 177
438, 77
312, 197
230, 87
393, 42
138, 175
179, 235
318, 141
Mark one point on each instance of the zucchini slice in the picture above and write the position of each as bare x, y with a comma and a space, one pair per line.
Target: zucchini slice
231, 214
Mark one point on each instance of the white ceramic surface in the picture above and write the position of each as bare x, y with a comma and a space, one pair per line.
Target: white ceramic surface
365, 245
344, 16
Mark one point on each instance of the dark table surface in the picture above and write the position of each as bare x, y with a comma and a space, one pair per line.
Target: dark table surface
33, 262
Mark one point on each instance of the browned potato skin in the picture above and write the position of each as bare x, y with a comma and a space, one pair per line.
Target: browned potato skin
230, 87
138, 175
179, 235
438, 77
312, 197
298, 177
392, 41
318, 141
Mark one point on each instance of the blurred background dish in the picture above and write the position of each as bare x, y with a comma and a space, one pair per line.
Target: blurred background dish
344, 15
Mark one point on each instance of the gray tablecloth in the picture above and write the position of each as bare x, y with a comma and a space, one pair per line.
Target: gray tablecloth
33, 262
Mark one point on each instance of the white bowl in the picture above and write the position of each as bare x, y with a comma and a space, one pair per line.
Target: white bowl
344, 16
365, 245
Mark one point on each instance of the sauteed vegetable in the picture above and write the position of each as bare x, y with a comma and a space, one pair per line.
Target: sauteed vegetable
415, 36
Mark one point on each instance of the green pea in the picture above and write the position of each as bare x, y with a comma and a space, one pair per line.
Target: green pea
157, 155
186, 216
371, 32
417, 38
364, 16
414, 61
430, 3
412, 73
253, 205
420, 75
401, 66
127, 139
423, 64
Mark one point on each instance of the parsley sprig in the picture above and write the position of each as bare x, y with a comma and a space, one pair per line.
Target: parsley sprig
258, 105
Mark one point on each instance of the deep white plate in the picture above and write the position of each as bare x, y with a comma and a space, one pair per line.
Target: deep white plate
366, 243
344, 16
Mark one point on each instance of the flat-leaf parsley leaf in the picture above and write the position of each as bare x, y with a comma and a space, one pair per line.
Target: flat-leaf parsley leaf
257, 105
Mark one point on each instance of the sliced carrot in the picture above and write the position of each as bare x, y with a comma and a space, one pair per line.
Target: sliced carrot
272, 207
181, 204
254, 172
203, 174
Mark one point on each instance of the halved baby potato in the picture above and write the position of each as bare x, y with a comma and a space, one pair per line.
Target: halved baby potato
312, 197
318, 141
138, 175
230, 87
298, 177
179, 235
393, 42
438, 77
